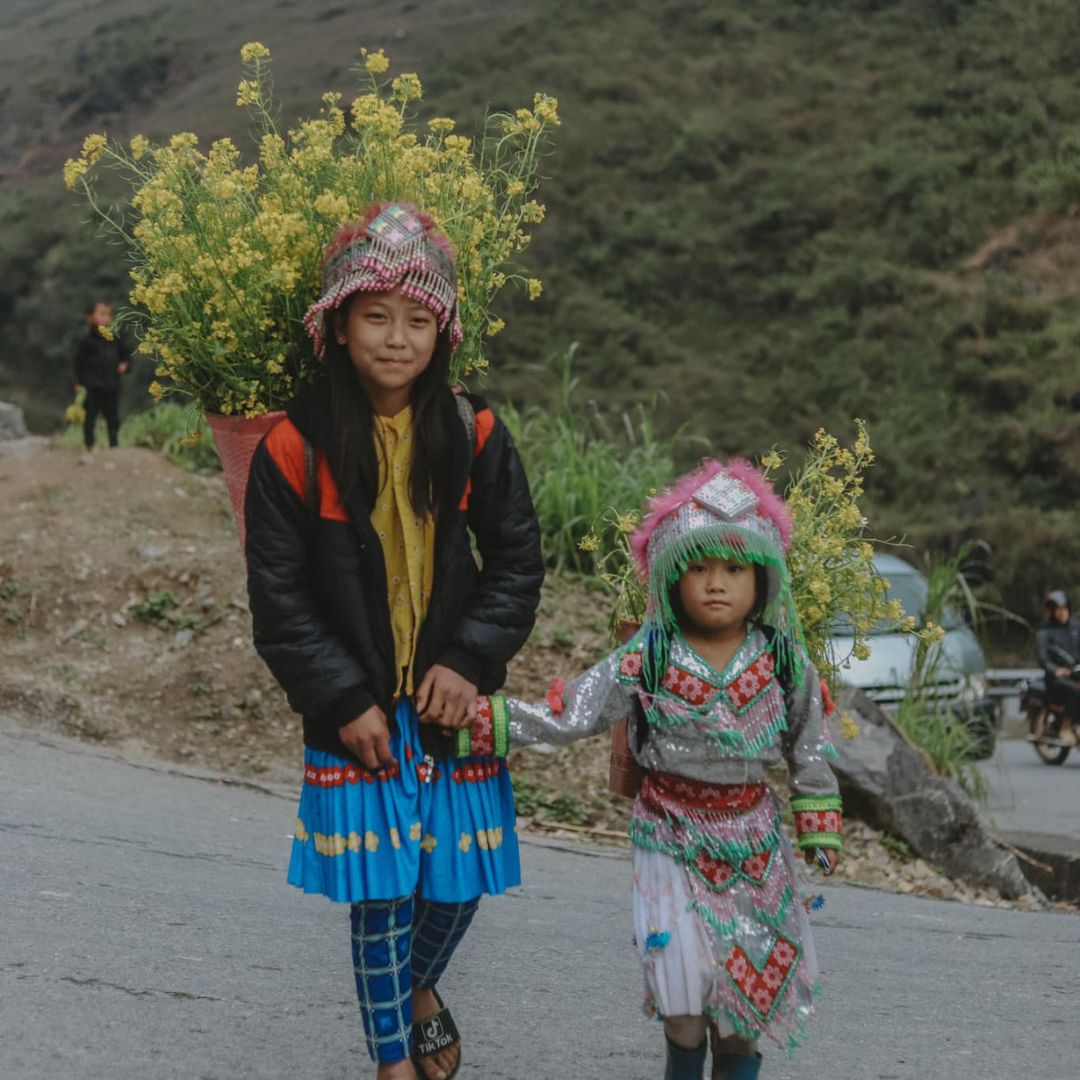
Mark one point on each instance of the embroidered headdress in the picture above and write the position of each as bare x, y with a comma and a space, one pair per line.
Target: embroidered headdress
725, 511
393, 245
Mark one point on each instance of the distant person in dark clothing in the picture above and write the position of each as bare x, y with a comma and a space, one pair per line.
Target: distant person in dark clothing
1057, 646
100, 360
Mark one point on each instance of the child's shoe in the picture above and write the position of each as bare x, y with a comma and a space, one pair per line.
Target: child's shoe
685, 1064
735, 1067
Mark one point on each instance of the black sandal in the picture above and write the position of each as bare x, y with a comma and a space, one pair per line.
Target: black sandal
435, 1034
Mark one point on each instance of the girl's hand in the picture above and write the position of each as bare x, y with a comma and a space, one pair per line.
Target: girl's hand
368, 739
446, 698
830, 853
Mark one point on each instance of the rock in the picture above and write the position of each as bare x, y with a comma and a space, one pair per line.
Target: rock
152, 552
74, 630
253, 699
183, 638
119, 620
12, 424
889, 783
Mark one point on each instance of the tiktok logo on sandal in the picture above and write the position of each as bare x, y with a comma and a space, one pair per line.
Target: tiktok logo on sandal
435, 1036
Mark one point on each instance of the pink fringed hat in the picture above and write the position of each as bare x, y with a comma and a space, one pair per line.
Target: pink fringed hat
726, 511
393, 245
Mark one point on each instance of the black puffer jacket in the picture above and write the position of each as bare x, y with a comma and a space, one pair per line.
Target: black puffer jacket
1057, 644
317, 582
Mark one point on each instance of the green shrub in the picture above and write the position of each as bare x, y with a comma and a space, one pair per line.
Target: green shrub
580, 462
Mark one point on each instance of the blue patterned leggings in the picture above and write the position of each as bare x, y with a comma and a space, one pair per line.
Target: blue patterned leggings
398, 944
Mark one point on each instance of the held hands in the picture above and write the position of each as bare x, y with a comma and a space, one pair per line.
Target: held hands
1063, 672
446, 698
368, 739
831, 854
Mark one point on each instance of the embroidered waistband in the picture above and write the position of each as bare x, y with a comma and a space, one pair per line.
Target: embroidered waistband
659, 788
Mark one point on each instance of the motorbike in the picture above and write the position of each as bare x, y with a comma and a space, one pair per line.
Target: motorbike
1044, 719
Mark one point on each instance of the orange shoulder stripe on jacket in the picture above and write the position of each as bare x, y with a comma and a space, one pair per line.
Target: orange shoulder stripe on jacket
285, 445
329, 499
485, 424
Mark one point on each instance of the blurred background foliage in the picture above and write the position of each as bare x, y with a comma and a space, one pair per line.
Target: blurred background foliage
763, 219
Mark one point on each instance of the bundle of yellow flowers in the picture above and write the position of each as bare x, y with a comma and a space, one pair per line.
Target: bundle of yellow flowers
226, 254
831, 558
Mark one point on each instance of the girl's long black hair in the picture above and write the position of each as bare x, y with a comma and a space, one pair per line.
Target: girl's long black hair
351, 444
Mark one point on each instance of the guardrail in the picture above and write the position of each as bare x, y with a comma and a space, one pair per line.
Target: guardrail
1003, 684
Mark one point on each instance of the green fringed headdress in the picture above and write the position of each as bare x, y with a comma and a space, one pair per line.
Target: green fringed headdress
722, 511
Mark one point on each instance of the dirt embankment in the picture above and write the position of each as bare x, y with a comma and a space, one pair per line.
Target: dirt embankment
123, 620
123, 615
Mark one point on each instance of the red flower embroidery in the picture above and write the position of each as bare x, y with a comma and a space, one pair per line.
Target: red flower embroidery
715, 871
761, 988
751, 682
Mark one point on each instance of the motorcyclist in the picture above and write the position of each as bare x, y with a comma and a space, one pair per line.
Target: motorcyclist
1057, 646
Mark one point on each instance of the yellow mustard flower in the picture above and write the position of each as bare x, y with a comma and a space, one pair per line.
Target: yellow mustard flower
441, 125
407, 87
533, 212
254, 50
156, 390
247, 93
848, 728
375, 62
546, 109
589, 542
74, 168
139, 144
771, 461
495, 326
535, 287
93, 147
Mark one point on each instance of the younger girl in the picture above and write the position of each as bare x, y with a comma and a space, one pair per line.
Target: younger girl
718, 689
370, 610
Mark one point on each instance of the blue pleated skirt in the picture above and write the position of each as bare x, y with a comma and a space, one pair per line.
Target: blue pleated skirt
446, 829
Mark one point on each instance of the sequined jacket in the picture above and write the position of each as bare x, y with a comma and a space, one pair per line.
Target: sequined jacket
727, 727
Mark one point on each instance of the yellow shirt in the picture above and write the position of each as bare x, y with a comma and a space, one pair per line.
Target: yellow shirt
408, 542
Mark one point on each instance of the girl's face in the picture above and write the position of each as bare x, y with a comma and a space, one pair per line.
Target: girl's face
717, 595
390, 339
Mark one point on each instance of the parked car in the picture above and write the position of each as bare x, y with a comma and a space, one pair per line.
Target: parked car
886, 674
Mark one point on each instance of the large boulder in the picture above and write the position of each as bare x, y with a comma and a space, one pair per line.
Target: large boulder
889, 783
12, 424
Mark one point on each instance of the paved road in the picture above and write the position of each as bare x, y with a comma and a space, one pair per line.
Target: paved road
146, 934
1030, 797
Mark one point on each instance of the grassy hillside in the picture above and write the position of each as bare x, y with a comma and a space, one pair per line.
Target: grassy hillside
773, 216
